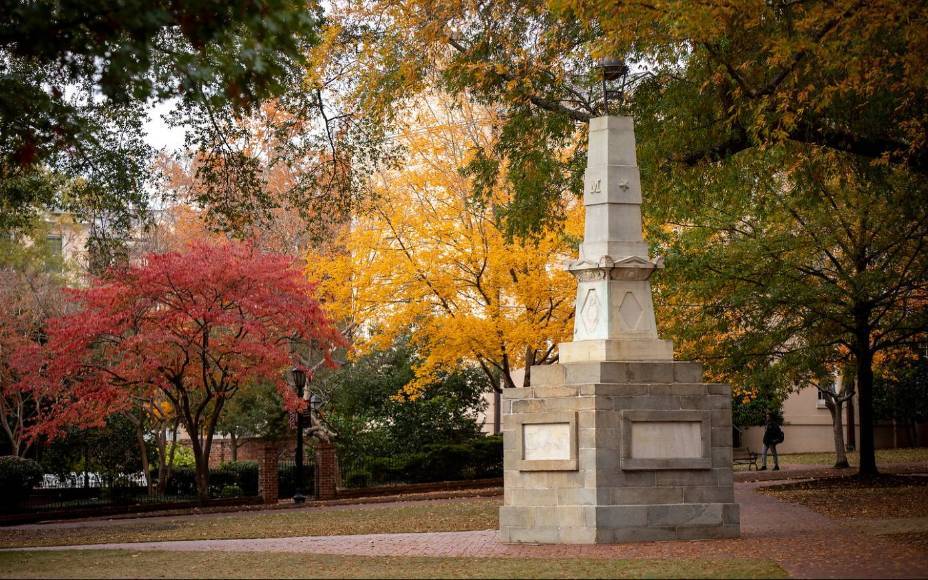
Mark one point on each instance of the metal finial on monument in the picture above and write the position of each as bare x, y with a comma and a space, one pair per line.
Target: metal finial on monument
614, 72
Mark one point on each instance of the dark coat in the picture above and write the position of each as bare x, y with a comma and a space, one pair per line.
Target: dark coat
773, 435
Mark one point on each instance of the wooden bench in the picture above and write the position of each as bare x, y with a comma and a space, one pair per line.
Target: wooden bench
744, 456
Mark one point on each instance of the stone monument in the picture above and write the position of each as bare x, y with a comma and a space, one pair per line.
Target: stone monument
617, 442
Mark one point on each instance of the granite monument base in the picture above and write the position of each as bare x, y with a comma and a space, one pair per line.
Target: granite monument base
610, 452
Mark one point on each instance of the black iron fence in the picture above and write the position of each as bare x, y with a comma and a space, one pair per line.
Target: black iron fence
86, 493
287, 480
90, 491
52, 499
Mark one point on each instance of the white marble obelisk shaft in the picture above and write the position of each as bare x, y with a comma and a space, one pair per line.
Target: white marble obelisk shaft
614, 311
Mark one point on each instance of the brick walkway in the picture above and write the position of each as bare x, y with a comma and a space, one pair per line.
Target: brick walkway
803, 542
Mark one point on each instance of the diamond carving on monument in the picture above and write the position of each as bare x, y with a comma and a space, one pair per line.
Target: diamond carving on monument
590, 311
630, 311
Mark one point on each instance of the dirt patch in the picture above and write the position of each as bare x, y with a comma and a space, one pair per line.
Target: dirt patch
884, 496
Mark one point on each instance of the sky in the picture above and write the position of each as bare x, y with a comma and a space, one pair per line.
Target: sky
158, 133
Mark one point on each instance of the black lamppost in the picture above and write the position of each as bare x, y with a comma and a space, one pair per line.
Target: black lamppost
299, 382
613, 69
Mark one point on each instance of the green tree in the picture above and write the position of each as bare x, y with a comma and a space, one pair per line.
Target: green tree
901, 392
370, 413
75, 79
722, 78
257, 411
795, 265
109, 452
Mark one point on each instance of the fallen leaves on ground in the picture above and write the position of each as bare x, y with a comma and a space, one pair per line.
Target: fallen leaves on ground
883, 496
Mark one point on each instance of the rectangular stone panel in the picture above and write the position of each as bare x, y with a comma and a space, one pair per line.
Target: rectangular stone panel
545, 441
655, 439
666, 439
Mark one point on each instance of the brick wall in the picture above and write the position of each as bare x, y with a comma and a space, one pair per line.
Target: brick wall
327, 466
267, 473
251, 449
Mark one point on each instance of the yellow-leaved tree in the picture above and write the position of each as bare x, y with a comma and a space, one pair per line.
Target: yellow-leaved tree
423, 257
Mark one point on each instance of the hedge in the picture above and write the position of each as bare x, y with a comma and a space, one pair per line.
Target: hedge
474, 459
240, 474
17, 478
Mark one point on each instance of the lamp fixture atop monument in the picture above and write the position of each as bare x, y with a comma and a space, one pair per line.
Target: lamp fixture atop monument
614, 72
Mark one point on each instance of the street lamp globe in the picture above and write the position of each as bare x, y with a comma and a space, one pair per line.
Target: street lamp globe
299, 379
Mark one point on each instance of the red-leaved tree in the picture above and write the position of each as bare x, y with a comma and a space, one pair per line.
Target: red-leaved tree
192, 327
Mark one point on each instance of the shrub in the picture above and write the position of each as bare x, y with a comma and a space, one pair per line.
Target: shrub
241, 474
358, 478
472, 459
183, 456
183, 481
231, 491
17, 478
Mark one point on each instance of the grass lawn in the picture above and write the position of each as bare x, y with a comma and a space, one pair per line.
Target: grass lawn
143, 564
883, 456
475, 514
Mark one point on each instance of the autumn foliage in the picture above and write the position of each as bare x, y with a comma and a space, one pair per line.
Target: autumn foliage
424, 256
190, 327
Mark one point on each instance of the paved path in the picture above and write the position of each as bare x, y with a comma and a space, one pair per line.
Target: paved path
804, 543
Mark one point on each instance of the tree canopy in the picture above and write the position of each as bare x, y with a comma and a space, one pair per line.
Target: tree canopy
721, 77
425, 258
76, 80
786, 277
372, 418
191, 328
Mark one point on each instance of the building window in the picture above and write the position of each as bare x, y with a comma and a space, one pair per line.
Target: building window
820, 403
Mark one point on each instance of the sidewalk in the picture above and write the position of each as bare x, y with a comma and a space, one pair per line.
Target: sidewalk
803, 542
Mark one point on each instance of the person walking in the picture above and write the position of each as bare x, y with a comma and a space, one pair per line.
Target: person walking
773, 436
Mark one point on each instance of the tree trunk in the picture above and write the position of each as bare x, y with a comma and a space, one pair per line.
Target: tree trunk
202, 480
835, 407
166, 467
529, 361
233, 441
143, 452
162, 444
202, 449
201, 461
851, 426
865, 402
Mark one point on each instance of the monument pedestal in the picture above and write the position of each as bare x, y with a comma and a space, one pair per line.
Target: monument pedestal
606, 452
599, 450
